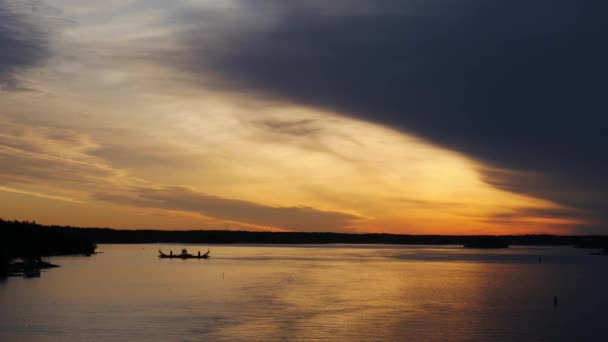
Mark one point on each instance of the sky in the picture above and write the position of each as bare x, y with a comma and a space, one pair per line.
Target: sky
413, 117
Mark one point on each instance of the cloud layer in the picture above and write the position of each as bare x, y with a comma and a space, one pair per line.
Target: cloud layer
301, 219
518, 85
242, 112
56, 163
22, 44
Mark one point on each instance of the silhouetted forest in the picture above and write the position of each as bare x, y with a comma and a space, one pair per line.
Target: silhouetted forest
105, 235
51, 240
32, 241
32, 236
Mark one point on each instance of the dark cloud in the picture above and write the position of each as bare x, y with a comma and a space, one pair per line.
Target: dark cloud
300, 127
558, 219
309, 134
22, 44
302, 219
518, 85
536, 213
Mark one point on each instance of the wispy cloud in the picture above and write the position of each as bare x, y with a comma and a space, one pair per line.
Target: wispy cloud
46, 157
302, 219
60, 164
298, 127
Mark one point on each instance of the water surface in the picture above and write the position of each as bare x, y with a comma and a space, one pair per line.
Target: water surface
308, 293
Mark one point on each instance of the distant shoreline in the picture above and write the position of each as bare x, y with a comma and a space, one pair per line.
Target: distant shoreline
126, 236
29, 240
123, 236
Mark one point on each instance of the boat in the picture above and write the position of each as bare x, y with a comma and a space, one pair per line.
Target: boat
183, 255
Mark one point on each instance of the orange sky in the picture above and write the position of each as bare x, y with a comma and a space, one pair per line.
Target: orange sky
100, 137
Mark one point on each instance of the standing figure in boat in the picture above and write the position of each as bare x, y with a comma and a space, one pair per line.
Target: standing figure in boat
183, 255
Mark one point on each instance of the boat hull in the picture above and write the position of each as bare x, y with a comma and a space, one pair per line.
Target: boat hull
183, 257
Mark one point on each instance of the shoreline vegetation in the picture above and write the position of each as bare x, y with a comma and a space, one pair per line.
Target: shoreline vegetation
116, 236
30, 241
23, 245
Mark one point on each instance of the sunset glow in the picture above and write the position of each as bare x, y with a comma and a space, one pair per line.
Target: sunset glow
105, 131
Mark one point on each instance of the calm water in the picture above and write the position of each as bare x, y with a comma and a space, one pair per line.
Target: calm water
287, 293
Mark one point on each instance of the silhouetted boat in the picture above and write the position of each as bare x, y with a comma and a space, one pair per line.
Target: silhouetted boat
183, 255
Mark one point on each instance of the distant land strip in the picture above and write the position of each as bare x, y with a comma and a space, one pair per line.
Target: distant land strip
115, 236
